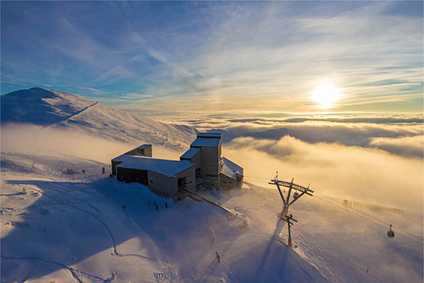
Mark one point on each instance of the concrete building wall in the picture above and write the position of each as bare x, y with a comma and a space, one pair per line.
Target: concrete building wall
190, 179
239, 183
210, 162
196, 160
146, 151
162, 185
114, 164
227, 183
131, 175
168, 186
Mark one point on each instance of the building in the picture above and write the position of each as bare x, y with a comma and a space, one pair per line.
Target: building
202, 164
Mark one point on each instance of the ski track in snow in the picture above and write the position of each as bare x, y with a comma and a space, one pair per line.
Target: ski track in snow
74, 272
72, 115
97, 218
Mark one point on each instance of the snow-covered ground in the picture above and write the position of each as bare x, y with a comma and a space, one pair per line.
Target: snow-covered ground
56, 111
72, 228
62, 227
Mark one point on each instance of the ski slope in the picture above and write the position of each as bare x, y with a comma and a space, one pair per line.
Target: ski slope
62, 227
72, 228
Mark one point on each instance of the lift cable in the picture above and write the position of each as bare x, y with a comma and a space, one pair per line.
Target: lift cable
395, 227
377, 275
382, 221
371, 221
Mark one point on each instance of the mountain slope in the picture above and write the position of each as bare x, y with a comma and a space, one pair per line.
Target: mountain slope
54, 109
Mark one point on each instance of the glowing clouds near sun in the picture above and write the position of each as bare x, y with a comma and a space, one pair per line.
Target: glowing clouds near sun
326, 94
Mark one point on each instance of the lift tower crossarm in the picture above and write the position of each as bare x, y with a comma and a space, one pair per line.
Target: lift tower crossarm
294, 186
296, 196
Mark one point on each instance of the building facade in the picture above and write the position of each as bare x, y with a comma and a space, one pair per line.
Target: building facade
202, 164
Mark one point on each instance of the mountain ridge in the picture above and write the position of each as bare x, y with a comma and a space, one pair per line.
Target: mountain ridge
55, 109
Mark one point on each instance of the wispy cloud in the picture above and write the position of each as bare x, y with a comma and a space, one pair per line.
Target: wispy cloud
93, 90
254, 55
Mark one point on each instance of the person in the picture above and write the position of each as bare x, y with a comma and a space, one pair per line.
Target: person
218, 258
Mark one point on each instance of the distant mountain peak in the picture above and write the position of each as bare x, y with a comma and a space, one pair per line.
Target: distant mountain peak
40, 106
55, 109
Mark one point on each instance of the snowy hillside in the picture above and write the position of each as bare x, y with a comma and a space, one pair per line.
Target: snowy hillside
58, 227
59, 110
62, 227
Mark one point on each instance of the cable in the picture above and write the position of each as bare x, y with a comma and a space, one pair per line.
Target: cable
370, 216
347, 253
397, 227
378, 224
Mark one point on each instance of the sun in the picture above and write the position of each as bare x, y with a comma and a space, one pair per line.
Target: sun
326, 94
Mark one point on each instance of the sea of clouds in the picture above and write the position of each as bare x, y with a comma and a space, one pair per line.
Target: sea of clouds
375, 159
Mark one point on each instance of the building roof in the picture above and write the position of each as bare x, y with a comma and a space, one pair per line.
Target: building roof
165, 167
144, 146
190, 153
214, 142
209, 135
231, 169
125, 157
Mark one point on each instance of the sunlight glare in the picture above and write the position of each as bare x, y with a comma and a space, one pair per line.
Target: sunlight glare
325, 94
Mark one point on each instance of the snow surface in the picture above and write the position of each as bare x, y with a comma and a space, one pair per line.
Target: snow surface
59, 110
61, 227
230, 168
72, 228
189, 154
213, 142
165, 167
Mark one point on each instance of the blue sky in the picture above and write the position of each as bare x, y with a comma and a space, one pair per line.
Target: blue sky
218, 57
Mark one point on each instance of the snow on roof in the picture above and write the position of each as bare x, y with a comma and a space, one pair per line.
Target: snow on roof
144, 146
190, 153
209, 135
231, 169
125, 157
165, 167
206, 142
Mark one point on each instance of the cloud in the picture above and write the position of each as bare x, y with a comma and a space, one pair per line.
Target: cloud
246, 56
356, 130
365, 174
405, 146
36, 140
93, 90
136, 96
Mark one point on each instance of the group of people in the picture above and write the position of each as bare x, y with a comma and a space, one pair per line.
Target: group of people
156, 205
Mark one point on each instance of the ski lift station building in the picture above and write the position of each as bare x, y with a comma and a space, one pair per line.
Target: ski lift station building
202, 164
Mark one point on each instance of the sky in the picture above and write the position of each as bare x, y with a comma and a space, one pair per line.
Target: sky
173, 58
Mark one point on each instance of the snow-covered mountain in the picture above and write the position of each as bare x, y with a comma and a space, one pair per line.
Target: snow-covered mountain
54, 109
63, 227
